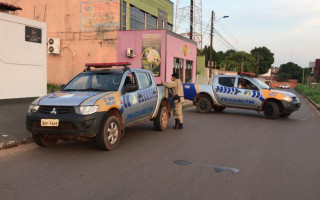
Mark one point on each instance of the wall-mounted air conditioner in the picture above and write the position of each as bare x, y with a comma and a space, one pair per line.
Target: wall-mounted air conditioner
54, 45
130, 53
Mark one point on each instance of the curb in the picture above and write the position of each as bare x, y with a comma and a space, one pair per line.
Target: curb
311, 101
11, 144
187, 105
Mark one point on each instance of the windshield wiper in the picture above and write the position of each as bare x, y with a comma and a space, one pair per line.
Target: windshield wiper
94, 89
87, 89
69, 90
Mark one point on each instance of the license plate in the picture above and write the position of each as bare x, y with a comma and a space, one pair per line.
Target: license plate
49, 122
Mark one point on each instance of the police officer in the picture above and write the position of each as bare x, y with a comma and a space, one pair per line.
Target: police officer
177, 92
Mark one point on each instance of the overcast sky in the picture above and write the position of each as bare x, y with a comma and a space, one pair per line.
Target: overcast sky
289, 28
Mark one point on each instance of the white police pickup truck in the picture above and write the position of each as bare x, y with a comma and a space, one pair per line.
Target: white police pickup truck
97, 105
245, 92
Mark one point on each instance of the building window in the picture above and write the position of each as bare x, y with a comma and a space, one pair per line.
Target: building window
137, 18
188, 70
151, 22
169, 27
124, 15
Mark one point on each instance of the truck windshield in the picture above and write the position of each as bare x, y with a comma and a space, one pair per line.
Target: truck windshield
261, 84
95, 82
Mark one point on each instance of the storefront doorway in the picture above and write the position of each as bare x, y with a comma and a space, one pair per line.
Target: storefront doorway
178, 67
188, 70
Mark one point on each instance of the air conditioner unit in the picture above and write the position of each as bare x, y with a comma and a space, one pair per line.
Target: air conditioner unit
130, 53
54, 45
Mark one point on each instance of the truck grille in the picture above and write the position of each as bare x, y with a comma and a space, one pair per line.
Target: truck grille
56, 110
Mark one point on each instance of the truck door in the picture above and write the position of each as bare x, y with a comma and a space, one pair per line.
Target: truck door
130, 107
147, 94
225, 90
248, 94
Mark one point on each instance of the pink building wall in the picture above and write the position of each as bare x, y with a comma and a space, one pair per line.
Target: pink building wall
172, 46
176, 49
133, 39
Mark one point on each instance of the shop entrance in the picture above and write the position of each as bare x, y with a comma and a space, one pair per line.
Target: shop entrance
178, 67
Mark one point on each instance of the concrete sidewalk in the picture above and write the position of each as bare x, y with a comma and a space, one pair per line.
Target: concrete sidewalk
13, 121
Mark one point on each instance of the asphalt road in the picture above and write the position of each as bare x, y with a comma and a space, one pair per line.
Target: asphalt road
277, 159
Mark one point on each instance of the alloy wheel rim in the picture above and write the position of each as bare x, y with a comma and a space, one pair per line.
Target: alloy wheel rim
164, 119
203, 105
113, 133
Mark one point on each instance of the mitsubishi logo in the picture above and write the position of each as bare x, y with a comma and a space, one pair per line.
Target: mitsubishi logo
54, 111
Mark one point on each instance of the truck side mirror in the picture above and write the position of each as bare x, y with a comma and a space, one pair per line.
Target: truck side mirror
62, 87
130, 88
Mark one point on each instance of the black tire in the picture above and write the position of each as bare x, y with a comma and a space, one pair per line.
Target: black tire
160, 123
271, 110
108, 138
44, 141
285, 115
203, 105
218, 108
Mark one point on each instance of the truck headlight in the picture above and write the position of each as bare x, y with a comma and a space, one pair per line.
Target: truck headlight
33, 108
86, 110
286, 98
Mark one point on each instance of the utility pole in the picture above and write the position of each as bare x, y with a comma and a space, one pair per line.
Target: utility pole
210, 56
302, 75
191, 19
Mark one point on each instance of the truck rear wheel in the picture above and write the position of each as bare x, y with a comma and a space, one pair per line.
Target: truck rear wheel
44, 141
160, 123
108, 138
203, 105
271, 110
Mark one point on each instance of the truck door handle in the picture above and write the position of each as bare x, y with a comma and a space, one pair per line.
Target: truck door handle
154, 92
140, 96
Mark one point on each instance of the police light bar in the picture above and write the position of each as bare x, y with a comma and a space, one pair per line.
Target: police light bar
247, 74
106, 65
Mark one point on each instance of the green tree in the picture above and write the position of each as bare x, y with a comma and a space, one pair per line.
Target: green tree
290, 71
241, 61
264, 59
215, 56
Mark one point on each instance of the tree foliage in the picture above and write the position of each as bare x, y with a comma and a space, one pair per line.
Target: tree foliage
290, 70
241, 61
264, 59
258, 61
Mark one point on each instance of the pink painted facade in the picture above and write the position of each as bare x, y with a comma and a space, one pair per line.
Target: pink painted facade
172, 46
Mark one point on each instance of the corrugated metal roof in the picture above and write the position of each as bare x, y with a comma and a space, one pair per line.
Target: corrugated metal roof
6, 6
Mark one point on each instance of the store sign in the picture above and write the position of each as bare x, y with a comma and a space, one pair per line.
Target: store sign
33, 34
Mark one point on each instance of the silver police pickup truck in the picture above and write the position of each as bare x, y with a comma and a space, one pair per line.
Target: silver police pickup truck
241, 91
98, 104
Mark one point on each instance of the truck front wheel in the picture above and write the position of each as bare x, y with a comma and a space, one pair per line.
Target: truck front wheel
203, 105
160, 123
44, 141
108, 138
271, 110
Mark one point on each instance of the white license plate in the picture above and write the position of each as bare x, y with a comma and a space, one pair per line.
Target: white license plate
49, 122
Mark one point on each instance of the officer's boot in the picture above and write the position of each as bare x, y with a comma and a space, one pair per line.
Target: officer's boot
180, 126
176, 126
